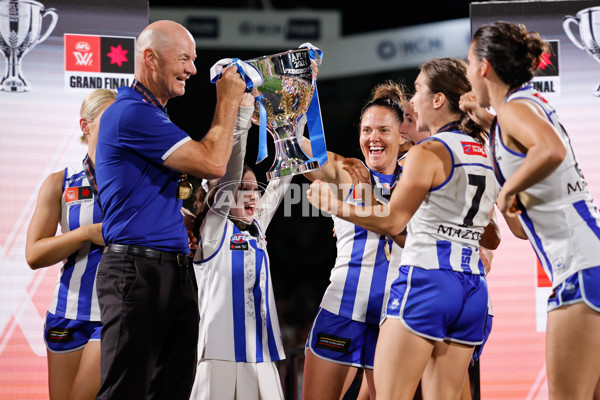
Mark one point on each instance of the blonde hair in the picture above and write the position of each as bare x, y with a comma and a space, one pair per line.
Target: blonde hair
93, 104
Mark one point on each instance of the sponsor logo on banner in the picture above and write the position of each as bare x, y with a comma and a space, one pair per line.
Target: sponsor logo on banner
547, 77
93, 62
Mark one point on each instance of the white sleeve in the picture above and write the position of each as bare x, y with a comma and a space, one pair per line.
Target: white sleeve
271, 199
211, 230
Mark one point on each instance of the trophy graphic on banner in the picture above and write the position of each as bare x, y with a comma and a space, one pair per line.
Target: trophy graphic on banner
588, 21
20, 31
286, 94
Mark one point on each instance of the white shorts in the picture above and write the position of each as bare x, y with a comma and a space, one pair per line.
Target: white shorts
229, 380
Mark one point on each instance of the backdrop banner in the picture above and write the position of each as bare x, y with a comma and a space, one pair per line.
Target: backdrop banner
54, 52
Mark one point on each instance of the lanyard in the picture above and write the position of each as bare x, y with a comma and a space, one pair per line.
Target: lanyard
148, 96
90, 174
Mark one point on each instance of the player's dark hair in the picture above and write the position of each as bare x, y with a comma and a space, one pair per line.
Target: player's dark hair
513, 51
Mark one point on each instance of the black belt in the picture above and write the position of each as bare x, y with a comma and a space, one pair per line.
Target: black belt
133, 250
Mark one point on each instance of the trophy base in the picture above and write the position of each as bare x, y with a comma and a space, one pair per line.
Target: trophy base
294, 169
14, 85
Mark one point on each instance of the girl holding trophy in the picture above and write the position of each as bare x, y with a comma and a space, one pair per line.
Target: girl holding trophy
239, 337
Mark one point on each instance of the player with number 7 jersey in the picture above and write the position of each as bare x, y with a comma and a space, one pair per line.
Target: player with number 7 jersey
444, 232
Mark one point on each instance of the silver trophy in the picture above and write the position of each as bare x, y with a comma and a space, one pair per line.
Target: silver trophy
588, 21
287, 91
20, 31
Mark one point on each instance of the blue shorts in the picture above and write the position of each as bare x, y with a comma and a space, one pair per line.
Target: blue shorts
581, 286
343, 341
440, 304
486, 334
63, 335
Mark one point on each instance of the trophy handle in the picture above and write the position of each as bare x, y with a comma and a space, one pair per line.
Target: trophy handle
54, 15
567, 28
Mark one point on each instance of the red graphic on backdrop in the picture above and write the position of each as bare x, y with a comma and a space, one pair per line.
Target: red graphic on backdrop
545, 60
117, 55
82, 53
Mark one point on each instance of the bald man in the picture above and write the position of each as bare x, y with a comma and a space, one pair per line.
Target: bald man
148, 301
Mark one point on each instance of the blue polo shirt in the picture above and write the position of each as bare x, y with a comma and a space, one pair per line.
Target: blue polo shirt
137, 192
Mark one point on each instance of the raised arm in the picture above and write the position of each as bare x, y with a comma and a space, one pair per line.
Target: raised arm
208, 157
43, 248
214, 222
422, 167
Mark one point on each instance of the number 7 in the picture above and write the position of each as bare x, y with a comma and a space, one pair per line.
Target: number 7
479, 182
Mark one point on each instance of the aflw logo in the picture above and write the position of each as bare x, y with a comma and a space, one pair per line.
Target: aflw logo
91, 53
82, 53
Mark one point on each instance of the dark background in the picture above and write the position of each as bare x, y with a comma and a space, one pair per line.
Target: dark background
302, 249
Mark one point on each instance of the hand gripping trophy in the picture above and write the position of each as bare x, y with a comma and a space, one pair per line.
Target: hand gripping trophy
20, 31
286, 95
286, 83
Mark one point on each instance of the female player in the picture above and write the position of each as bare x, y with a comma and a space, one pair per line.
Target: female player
344, 333
69, 198
437, 307
543, 186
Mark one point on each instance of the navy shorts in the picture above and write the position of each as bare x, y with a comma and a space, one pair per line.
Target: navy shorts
343, 341
63, 335
440, 304
581, 286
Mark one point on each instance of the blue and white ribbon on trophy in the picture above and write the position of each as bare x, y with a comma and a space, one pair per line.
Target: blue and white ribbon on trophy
314, 122
253, 79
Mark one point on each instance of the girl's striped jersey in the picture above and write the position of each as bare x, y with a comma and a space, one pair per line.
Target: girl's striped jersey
238, 316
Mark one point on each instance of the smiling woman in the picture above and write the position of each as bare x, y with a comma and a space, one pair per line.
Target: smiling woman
350, 311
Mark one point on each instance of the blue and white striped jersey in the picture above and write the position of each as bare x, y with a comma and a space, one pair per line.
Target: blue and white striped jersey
238, 315
444, 232
558, 213
75, 293
362, 274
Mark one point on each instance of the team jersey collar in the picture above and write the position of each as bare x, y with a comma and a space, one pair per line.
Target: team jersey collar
515, 90
147, 95
449, 127
383, 183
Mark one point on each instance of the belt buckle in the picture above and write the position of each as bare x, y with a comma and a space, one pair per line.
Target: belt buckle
182, 260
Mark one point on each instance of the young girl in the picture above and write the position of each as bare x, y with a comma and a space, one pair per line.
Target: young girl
240, 340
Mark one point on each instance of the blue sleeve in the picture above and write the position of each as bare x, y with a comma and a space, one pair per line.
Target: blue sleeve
146, 130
